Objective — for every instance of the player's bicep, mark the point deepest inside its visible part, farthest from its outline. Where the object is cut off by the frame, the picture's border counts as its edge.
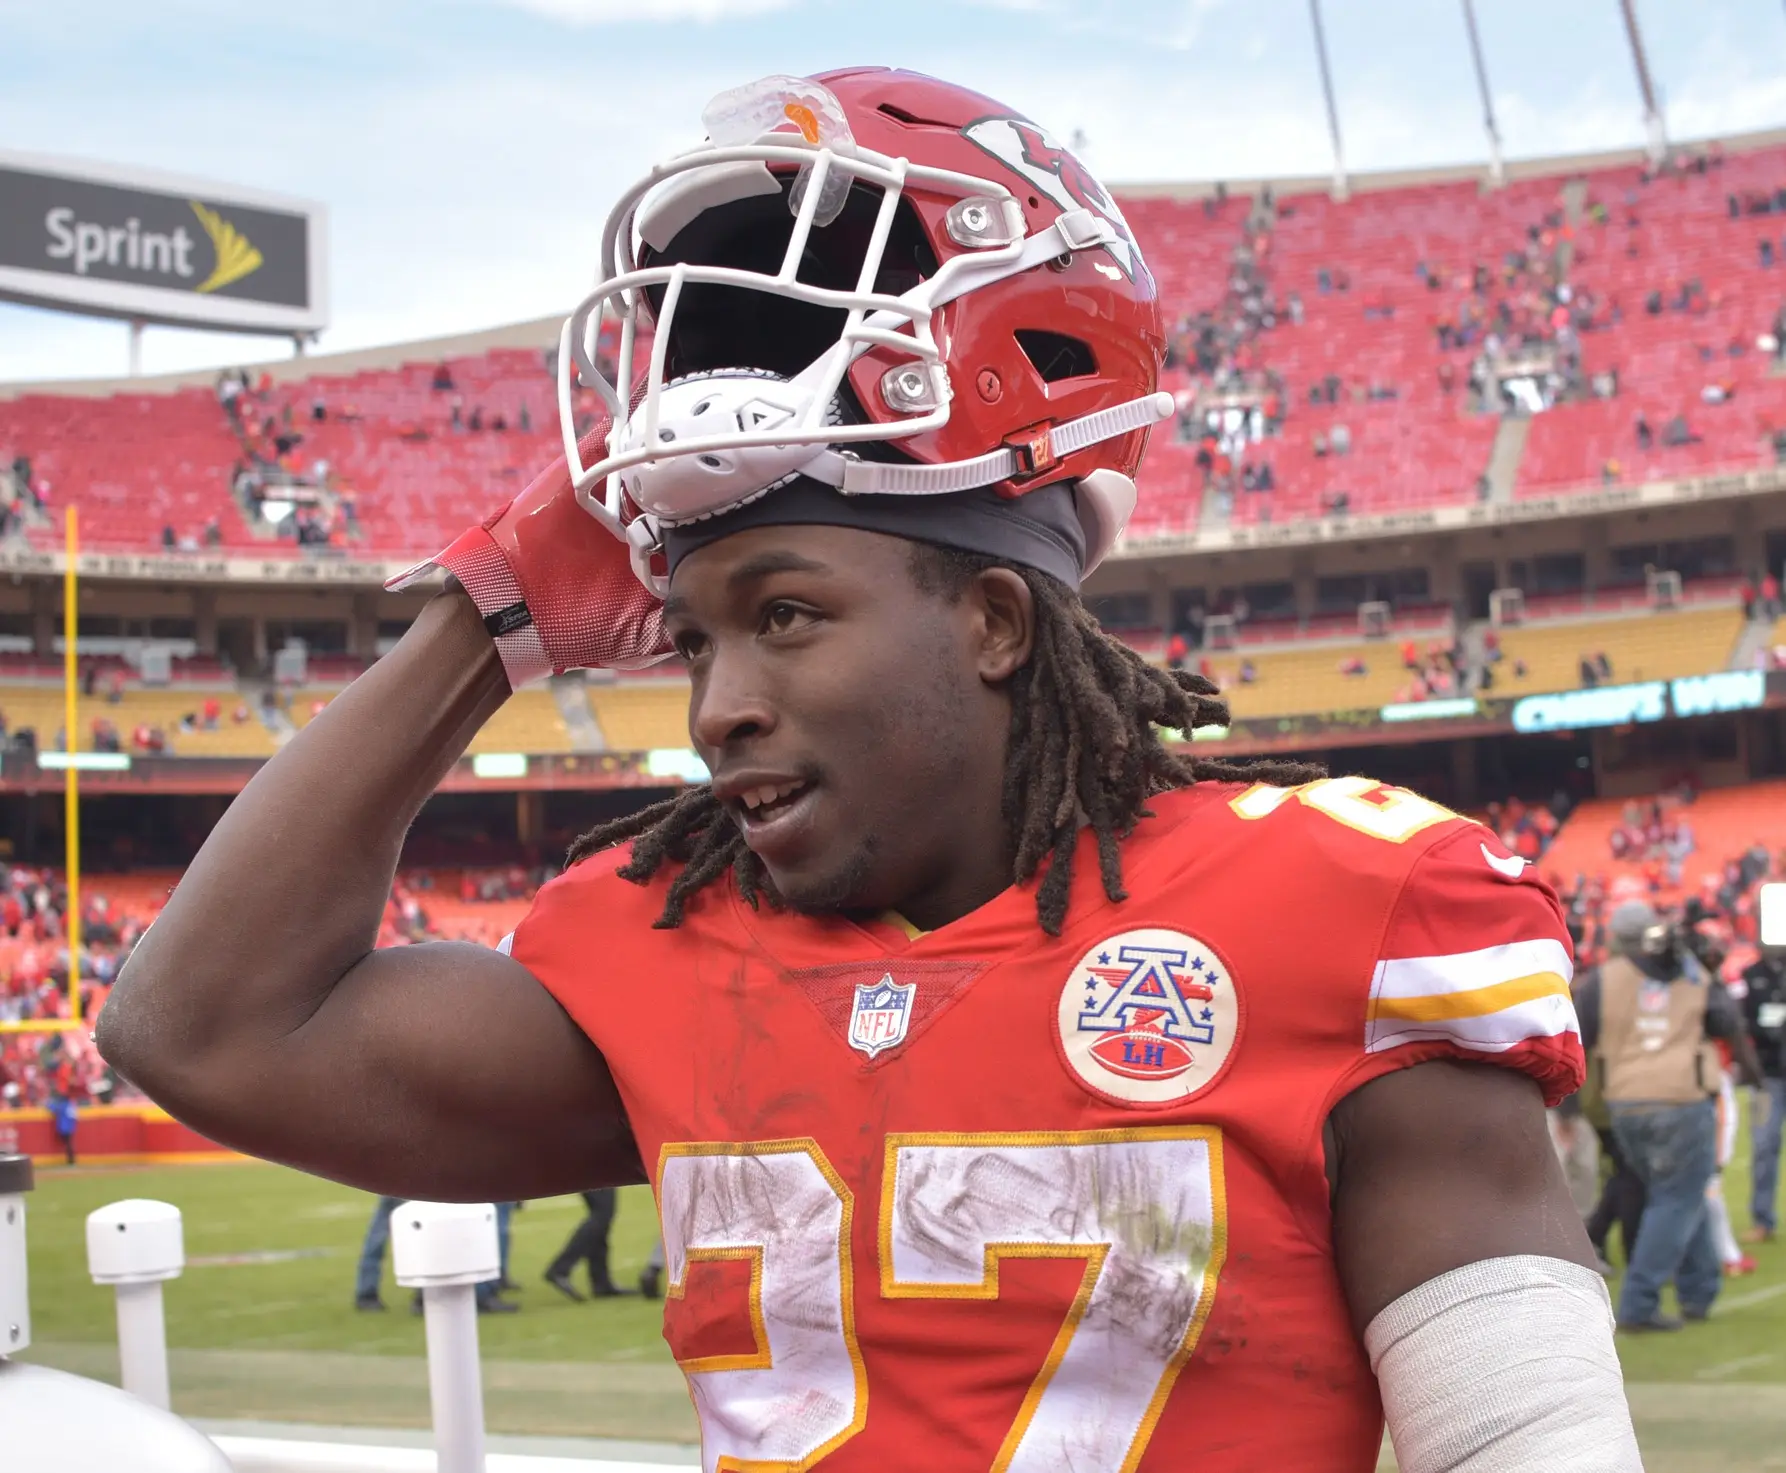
(446, 1070)
(1439, 1166)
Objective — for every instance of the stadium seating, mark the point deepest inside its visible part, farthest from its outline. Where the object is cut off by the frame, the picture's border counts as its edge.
(643, 715)
(40, 707)
(1645, 646)
(1420, 448)
(134, 463)
(1374, 275)
(389, 441)
(529, 721)
(1405, 258)
(1725, 822)
(1656, 236)
(1292, 680)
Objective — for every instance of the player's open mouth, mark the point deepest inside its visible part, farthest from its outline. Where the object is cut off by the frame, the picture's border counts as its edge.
(770, 814)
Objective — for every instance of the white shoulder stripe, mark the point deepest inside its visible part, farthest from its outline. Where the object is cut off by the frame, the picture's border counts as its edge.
(1488, 1000)
(507, 945)
(1466, 971)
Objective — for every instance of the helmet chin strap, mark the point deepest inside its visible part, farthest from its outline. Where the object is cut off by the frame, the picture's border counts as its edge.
(775, 466)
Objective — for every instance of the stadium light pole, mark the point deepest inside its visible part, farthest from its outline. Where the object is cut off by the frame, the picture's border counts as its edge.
(1497, 170)
(1652, 113)
(1333, 127)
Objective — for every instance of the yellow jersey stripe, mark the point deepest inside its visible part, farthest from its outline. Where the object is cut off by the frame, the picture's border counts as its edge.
(1475, 1003)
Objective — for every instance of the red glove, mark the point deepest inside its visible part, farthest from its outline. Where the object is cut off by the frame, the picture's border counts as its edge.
(555, 587)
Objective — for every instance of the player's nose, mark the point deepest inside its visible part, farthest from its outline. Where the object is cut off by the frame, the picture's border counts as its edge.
(729, 704)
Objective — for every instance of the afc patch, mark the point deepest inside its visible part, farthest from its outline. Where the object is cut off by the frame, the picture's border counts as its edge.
(881, 1015)
(1148, 1017)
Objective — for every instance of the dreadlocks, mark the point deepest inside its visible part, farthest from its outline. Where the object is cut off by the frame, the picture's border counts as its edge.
(1084, 749)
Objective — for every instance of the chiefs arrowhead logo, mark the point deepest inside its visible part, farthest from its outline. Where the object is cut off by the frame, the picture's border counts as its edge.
(1037, 157)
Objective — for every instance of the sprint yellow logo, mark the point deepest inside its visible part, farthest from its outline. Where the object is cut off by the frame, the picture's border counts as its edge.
(237, 256)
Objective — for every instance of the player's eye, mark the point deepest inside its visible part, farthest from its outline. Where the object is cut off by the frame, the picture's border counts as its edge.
(782, 617)
(690, 644)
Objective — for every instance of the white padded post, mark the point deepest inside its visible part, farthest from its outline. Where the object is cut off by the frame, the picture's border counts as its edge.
(15, 1300)
(136, 1246)
(446, 1249)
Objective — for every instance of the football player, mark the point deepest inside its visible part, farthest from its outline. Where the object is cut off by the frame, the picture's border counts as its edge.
(1018, 1092)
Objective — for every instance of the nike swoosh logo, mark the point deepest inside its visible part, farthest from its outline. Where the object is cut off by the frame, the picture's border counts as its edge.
(1511, 868)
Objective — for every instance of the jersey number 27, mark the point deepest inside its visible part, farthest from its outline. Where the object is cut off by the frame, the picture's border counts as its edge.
(1142, 1208)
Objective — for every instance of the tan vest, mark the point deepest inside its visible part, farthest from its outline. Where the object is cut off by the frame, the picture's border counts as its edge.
(1652, 1038)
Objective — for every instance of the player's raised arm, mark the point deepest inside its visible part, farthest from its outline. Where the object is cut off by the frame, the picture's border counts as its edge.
(256, 1009)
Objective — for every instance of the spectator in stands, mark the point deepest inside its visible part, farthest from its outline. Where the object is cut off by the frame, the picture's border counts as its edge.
(1645, 436)
(169, 537)
(1340, 441)
(443, 379)
(1678, 432)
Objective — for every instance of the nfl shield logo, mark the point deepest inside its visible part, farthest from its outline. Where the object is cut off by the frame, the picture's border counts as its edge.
(881, 1014)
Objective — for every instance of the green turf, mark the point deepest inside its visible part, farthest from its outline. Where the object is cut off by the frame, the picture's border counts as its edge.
(306, 1303)
(281, 1341)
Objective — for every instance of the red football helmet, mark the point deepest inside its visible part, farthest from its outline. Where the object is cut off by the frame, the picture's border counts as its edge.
(877, 280)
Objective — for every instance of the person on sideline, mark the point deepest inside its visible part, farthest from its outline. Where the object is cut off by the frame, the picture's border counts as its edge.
(1651, 1027)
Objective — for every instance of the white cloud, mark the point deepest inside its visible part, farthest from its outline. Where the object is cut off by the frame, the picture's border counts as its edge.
(615, 12)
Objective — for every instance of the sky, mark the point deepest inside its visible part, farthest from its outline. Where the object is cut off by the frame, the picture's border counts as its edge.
(468, 150)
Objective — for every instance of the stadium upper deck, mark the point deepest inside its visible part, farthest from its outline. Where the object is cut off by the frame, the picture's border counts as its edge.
(1334, 360)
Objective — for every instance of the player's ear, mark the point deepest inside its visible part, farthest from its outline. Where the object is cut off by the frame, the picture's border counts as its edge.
(1006, 623)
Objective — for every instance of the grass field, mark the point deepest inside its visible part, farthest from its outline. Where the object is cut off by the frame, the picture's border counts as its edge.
(262, 1325)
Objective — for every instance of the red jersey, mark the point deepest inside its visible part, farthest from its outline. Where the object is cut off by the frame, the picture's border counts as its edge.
(985, 1198)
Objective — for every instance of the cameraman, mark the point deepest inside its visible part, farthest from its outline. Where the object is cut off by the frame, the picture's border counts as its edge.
(1649, 1020)
(1765, 1010)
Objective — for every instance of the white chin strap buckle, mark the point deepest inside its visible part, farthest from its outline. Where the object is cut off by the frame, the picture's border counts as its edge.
(704, 471)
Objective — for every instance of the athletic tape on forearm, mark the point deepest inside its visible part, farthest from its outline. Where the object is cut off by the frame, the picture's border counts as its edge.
(1503, 1367)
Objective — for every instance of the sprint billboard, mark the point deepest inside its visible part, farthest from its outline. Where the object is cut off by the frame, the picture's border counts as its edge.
(128, 243)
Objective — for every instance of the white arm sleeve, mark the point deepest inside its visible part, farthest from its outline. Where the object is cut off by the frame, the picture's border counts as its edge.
(1504, 1366)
